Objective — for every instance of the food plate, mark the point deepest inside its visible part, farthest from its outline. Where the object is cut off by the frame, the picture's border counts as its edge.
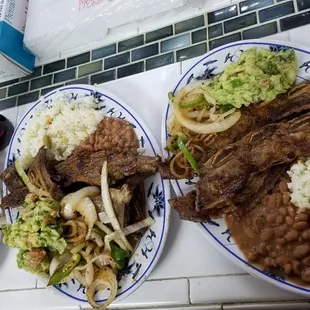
(209, 65)
(157, 192)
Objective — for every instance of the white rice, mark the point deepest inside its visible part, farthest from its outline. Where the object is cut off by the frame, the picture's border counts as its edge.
(300, 183)
(67, 123)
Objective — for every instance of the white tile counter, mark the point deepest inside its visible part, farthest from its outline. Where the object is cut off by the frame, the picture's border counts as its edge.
(190, 274)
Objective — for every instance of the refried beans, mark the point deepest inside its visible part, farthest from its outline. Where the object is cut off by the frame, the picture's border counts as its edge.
(275, 235)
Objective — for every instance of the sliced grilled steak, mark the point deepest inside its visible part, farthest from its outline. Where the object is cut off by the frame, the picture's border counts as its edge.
(86, 167)
(40, 174)
(285, 106)
(121, 198)
(256, 188)
(227, 172)
(15, 198)
(137, 213)
(185, 205)
(11, 178)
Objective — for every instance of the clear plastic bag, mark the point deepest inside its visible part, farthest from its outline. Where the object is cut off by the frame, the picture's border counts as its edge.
(57, 25)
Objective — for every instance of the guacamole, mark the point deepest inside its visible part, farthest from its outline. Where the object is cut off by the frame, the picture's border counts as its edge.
(36, 227)
(259, 75)
(35, 261)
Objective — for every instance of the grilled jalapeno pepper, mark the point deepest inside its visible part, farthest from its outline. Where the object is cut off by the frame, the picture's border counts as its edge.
(119, 255)
(65, 270)
(197, 102)
(226, 107)
(175, 145)
(188, 155)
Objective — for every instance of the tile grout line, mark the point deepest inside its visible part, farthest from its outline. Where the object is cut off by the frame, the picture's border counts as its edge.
(189, 291)
(199, 277)
(23, 289)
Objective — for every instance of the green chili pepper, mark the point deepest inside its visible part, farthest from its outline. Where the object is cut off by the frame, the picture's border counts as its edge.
(193, 103)
(170, 95)
(236, 83)
(226, 107)
(119, 255)
(175, 145)
(65, 270)
(188, 155)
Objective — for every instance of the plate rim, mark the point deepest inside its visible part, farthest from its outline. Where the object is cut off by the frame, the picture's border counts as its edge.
(165, 184)
(216, 243)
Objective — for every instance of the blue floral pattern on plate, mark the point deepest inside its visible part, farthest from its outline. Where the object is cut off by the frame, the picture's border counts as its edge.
(151, 245)
(209, 65)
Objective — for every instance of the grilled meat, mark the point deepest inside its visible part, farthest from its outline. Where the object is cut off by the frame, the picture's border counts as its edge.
(129, 204)
(256, 188)
(86, 166)
(185, 205)
(165, 171)
(15, 198)
(136, 180)
(285, 106)
(97, 201)
(258, 115)
(258, 185)
(227, 172)
(121, 198)
(11, 178)
(137, 213)
(40, 175)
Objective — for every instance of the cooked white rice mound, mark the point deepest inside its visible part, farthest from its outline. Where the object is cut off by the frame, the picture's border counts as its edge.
(300, 183)
(66, 124)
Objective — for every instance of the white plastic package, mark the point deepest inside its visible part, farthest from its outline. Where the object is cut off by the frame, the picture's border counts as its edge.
(57, 25)
(15, 61)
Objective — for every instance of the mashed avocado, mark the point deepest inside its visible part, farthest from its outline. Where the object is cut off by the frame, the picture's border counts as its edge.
(36, 227)
(259, 75)
(34, 261)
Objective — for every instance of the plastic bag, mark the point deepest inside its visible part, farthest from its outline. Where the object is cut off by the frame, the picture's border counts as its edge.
(57, 25)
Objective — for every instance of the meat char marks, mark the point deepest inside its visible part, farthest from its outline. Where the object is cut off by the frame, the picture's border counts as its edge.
(11, 178)
(238, 175)
(257, 186)
(284, 107)
(228, 171)
(86, 166)
(40, 174)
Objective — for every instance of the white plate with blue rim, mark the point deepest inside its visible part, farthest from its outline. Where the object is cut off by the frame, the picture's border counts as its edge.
(157, 191)
(208, 66)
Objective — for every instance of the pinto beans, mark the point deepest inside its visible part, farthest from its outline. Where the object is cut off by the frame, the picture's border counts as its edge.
(300, 226)
(305, 275)
(267, 234)
(301, 250)
(292, 235)
(302, 217)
